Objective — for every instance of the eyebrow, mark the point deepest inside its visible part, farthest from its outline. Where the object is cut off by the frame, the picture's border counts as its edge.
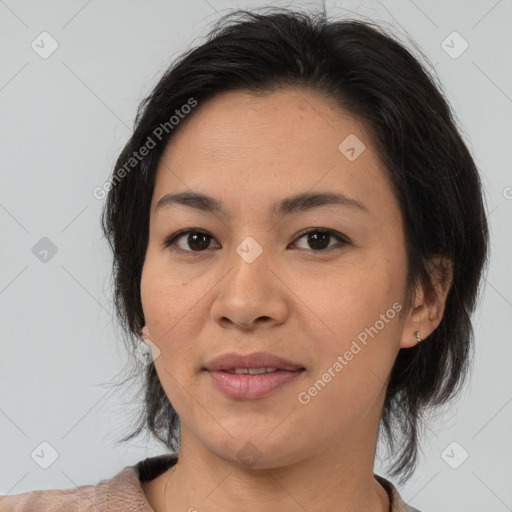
(294, 204)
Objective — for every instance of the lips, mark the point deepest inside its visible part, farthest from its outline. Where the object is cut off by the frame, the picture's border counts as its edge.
(251, 376)
(232, 361)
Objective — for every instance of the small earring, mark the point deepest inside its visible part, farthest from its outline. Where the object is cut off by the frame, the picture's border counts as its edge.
(417, 335)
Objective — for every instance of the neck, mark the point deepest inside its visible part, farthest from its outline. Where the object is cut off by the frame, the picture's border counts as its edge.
(333, 479)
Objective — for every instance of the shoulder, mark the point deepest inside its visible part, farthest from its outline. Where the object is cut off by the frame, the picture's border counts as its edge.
(122, 492)
(397, 503)
(80, 498)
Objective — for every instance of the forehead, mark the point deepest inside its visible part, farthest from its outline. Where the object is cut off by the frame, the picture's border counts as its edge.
(255, 146)
(241, 121)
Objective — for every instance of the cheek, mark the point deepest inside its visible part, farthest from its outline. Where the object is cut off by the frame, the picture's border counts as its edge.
(352, 297)
(165, 295)
(357, 318)
(168, 312)
(352, 366)
(169, 306)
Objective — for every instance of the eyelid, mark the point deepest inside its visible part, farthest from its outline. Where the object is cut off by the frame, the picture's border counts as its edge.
(172, 238)
(340, 236)
(342, 239)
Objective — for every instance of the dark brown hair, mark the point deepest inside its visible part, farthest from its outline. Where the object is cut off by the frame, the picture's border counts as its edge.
(374, 77)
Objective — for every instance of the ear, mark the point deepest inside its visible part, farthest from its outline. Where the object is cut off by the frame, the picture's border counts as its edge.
(144, 332)
(429, 302)
(146, 338)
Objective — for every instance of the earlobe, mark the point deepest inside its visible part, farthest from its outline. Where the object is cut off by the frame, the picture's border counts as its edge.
(414, 330)
(144, 332)
(411, 336)
(429, 303)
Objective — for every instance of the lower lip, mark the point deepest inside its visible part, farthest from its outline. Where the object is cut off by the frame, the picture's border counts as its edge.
(249, 387)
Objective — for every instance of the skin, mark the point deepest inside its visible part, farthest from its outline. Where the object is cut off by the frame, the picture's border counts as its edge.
(296, 301)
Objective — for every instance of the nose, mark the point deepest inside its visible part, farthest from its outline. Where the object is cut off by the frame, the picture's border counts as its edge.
(251, 294)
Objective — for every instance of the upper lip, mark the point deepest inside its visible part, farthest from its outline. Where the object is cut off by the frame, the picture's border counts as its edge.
(232, 360)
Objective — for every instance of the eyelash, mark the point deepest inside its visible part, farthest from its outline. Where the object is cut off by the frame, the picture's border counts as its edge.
(342, 240)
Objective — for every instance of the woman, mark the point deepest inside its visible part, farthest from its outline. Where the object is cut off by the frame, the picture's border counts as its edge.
(299, 236)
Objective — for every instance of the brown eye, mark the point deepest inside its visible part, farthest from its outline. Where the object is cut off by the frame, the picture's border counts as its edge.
(194, 240)
(319, 239)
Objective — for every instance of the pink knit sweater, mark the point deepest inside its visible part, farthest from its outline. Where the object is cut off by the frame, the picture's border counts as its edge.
(123, 493)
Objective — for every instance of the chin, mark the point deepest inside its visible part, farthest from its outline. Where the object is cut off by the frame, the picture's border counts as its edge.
(250, 450)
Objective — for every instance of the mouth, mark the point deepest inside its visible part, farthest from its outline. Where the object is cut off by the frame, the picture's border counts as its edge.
(233, 361)
(253, 371)
(251, 376)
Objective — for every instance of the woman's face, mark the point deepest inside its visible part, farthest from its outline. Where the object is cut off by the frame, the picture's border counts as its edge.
(252, 281)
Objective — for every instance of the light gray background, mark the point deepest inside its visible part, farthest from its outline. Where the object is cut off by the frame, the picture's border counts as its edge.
(65, 118)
